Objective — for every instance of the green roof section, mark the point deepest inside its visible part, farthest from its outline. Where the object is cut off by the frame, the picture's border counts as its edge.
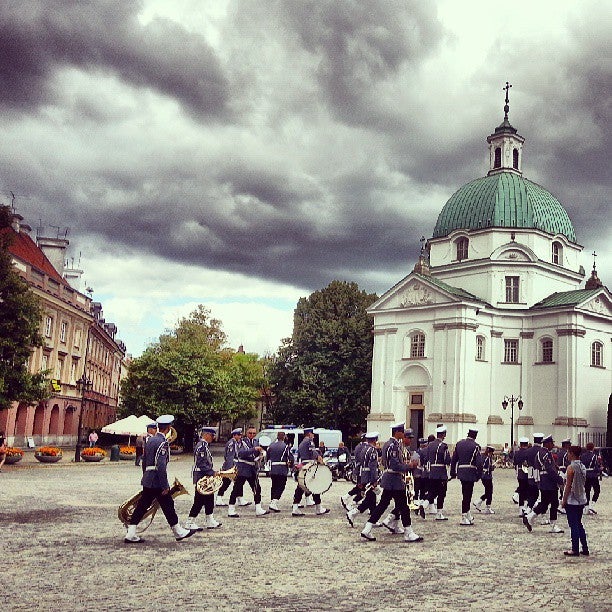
(566, 298)
(504, 199)
(460, 293)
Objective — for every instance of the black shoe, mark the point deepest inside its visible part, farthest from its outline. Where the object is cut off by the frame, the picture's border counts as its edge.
(233, 516)
(422, 512)
(571, 553)
(586, 553)
(126, 541)
(527, 523)
(274, 510)
(369, 538)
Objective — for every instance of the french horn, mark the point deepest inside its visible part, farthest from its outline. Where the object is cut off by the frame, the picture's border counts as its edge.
(126, 509)
(208, 485)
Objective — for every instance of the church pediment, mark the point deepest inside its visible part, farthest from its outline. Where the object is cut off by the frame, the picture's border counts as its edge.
(599, 304)
(413, 292)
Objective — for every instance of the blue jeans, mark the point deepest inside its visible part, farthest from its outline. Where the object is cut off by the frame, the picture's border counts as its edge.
(574, 520)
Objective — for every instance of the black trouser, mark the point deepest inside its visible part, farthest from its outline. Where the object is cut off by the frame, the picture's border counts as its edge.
(417, 488)
(299, 493)
(238, 489)
(279, 482)
(356, 492)
(523, 491)
(199, 501)
(368, 502)
(467, 490)
(401, 504)
(225, 485)
(532, 494)
(423, 488)
(548, 498)
(594, 484)
(488, 491)
(166, 503)
(437, 488)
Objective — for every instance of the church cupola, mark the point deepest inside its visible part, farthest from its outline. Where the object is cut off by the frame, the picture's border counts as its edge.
(505, 145)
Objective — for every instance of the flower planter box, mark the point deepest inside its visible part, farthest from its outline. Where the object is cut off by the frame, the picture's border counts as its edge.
(11, 459)
(48, 458)
(92, 458)
(127, 456)
(176, 451)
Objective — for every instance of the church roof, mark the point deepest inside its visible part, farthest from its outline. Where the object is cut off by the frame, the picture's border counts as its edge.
(504, 199)
(566, 298)
(456, 291)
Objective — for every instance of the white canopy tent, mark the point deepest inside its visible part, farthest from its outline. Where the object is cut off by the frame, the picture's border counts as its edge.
(129, 426)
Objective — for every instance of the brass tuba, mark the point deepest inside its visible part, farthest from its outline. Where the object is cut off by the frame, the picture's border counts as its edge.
(207, 485)
(172, 435)
(126, 509)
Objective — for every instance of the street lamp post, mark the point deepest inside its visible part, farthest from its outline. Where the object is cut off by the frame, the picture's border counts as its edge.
(512, 400)
(82, 385)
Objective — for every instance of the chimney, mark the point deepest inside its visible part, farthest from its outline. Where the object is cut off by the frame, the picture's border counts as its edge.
(16, 220)
(55, 250)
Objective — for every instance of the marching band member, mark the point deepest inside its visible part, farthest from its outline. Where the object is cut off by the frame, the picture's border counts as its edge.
(466, 465)
(393, 486)
(356, 493)
(307, 451)
(562, 463)
(590, 459)
(424, 485)
(520, 462)
(281, 461)
(203, 466)
(533, 477)
(487, 481)
(549, 485)
(155, 484)
(368, 479)
(247, 465)
(229, 461)
(438, 458)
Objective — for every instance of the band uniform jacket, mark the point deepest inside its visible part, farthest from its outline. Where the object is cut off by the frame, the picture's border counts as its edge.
(520, 460)
(395, 468)
(231, 453)
(438, 457)
(563, 460)
(549, 475)
(155, 462)
(369, 471)
(422, 452)
(591, 463)
(487, 468)
(466, 463)
(280, 457)
(532, 451)
(360, 450)
(307, 451)
(202, 461)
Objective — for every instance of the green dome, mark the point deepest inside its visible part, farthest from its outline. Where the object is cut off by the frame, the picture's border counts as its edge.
(504, 199)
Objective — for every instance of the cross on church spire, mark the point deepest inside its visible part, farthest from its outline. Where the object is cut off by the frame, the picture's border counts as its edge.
(507, 105)
(422, 241)
(594, 254)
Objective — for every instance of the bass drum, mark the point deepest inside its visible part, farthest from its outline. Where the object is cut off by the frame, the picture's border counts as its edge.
(315, 478)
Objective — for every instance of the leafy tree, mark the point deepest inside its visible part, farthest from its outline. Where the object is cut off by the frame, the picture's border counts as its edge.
(20, 318)
(323, 373)
(190, 374)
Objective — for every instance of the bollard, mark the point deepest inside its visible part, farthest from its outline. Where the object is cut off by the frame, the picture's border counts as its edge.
(114, 456)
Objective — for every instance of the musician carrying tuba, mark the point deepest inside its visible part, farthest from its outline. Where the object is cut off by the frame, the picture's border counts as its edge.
(155, 486)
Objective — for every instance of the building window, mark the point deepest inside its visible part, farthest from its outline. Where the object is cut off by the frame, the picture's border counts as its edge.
(512, 289)
(73, 369)
(597, 354)
(417, 345)
(515, 159)
(497, 163)
(557, 253)
(77, 338)
(480, 348)
(462, 248)
(510, 351)
(59, 369)
(63, 331)
(48, 326)
(44, 362)
(547, 351)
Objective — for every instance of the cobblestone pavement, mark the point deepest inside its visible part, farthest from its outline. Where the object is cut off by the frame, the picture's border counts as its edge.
(63, 548)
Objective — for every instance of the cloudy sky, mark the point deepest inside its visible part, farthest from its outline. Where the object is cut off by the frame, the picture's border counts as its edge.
(242, 154)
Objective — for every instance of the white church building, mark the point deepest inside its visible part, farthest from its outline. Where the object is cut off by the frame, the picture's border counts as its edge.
(496, 310)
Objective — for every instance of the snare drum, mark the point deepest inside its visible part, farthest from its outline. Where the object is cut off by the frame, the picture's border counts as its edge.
(315, 478)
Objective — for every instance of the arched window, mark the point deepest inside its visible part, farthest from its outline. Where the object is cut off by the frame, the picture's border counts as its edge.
(497, 163)
(480, 348)
(546, 349)
(417, 344)
(597, 354)
(462, 248)
(557, 253)
(515, 159)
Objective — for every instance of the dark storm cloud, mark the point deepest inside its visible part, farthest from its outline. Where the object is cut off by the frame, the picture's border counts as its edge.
(38, 38)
